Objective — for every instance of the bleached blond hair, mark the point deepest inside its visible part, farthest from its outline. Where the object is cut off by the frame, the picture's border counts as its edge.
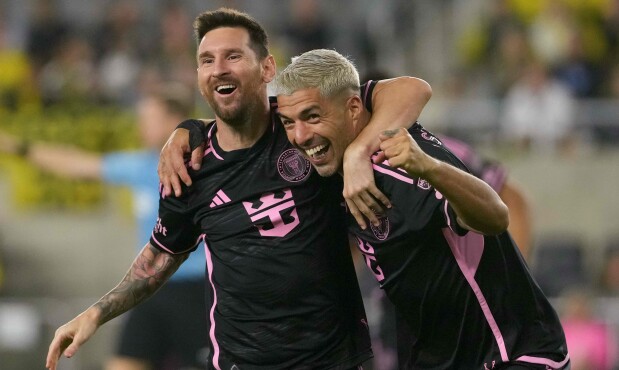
(327, 70)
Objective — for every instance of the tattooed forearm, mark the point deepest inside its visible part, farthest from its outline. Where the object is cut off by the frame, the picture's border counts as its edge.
(149, 271)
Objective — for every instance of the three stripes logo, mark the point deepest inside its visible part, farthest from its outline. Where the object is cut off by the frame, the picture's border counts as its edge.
(219, 199)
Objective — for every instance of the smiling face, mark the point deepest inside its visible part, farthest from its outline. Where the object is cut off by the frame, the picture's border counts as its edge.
(231, 77)
(318, 127)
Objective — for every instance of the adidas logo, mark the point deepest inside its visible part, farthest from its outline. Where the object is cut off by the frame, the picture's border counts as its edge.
(219, 199)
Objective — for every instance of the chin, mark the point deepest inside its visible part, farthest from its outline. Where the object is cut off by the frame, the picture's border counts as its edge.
(326, 171)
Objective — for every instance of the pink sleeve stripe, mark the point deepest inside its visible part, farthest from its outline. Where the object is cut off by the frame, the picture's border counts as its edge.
(468, 265)
(365, 93)
(170, 251)
(393, 174)
(553, 365)
(211, 333)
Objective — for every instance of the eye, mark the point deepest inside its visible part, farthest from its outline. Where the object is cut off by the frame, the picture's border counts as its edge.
(288, 123)
(234, 57)
(206, 61)
(314, 117)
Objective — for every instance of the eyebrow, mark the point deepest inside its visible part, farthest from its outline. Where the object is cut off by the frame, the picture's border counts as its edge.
(228, 51)
(304, 113)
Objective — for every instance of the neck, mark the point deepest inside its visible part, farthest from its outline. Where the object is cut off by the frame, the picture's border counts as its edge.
(246, 132)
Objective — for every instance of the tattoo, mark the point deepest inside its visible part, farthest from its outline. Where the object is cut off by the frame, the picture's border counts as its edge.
(149, 271)
(391, 133)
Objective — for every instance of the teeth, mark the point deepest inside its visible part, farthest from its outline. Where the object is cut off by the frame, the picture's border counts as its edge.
(219, 88)
(314, 150)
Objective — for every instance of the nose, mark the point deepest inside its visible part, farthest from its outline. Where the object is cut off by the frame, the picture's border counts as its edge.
(303, 133)
(220, 67)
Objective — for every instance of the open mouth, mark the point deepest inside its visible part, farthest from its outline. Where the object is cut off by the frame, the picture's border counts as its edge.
(317, 152)
(225, 89)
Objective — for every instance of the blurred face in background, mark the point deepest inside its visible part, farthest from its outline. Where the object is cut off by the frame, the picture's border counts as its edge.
(231, 77)
(155, 122)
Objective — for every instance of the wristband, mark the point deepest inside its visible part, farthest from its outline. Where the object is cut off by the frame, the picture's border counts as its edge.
(197, 136)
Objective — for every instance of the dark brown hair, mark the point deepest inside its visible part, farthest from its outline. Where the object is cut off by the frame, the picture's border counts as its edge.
(225, 17)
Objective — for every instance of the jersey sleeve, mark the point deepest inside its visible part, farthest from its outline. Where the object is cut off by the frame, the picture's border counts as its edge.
(443, 213)
(175, 230)
(366, 94)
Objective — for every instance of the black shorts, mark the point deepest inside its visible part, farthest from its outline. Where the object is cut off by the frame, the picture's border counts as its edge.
(169, 329)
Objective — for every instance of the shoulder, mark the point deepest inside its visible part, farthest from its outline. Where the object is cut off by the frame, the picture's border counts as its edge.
(434, 146)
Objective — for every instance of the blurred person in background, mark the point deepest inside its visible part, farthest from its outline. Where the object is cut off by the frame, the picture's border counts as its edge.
(178, 340)
(538, 112)
(120, 44)
(69, 77)
(46, 32)
(175, 55)
(306, 28)
(592, 342)
(609, 281)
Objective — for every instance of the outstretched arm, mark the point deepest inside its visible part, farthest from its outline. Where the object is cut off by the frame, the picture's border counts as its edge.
(60, 160)
(149, 271)
(477, 205)
(396, 102)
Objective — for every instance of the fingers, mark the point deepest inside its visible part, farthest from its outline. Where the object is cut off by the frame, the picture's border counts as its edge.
(381, 199)
(354, 211)
(196, 157)
(165, 180)
(74, 346)
(56, 347)
(368, 206)
(379, 157)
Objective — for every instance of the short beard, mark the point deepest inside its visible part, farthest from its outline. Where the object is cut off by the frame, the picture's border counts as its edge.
(235, 117)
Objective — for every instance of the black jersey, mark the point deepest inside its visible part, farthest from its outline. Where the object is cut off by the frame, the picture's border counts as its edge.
(463, 300)
(281, 287)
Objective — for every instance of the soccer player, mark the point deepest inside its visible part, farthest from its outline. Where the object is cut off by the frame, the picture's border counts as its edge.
(281, 288)
(464, 297)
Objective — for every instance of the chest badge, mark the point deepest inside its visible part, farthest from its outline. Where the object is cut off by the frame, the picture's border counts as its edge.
(292, 166)
(381, 232)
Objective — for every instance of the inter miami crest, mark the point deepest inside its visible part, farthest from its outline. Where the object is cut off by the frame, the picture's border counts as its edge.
(381, 231)
(292, 166)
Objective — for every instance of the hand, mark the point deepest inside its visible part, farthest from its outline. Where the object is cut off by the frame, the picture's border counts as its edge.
(70, 337)
(402, 151)
(360, 192)
(172, 167)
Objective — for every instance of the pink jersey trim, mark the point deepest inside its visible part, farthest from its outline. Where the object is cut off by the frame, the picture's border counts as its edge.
(367, 89)
(211, 333)
(170, 251)
(210, 148)
(544, 361)
(468, 250)
(393, 173)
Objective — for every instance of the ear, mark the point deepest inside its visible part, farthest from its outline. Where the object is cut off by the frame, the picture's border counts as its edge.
(354, 107)
(268, 69)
